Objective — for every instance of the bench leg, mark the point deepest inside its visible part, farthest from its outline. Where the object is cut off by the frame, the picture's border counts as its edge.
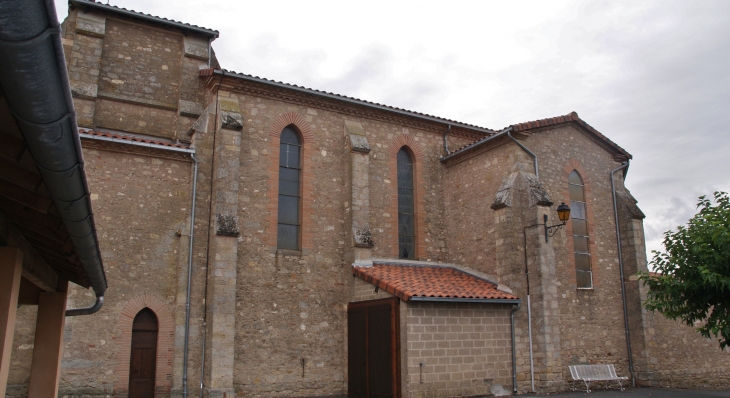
(588, 386)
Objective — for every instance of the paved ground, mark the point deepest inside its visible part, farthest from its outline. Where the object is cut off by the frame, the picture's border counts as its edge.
(639, 393)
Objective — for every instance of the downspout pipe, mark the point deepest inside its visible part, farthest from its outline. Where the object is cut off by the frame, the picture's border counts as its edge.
(33, 69)
(514, 356)
(190, 277)
(625, 165)
(524, 148)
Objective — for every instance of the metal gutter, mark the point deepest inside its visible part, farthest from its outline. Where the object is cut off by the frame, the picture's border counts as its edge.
(144, 17)
(190, 276)
(514, 356)
(625, 165)
(33, 68)
(352, 101)
(137, 143)
(465, 300)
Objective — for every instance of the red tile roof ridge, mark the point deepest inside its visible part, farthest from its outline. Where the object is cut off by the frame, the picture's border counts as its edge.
(534, 124)
(130, 137)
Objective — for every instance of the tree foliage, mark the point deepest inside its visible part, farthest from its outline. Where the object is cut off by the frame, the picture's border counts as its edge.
(692, 280)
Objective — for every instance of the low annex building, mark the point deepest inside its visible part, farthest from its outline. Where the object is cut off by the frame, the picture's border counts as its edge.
(266, 239)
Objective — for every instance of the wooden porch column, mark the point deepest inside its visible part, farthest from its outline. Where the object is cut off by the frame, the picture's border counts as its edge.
(46, 366)
(11, 266)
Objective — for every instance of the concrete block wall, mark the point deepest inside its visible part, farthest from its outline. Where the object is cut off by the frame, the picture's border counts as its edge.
(457, 349)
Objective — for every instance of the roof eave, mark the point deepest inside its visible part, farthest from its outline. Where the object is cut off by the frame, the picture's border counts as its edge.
(465, 300)
(145, 17)
(349, 100)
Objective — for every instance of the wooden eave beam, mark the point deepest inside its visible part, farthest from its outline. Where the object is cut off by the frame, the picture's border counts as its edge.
(25, 197)
(12, 148)
(17, 175)
(29, 218)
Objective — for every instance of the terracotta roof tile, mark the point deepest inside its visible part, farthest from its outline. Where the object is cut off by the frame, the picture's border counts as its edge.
(407, 281)
(571, 117)
(118, 136)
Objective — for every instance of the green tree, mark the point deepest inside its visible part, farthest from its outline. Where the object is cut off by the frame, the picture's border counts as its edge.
(692, 280)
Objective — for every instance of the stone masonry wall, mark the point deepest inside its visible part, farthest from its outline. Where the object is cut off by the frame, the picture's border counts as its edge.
(131, 77)
(292, 304)
(458, 349)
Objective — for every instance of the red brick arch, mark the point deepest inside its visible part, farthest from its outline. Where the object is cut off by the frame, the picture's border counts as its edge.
(272, 207)
(419, 188)
(573, 164)
(165, 335)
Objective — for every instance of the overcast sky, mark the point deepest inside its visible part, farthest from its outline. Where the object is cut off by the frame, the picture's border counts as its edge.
(654, 76)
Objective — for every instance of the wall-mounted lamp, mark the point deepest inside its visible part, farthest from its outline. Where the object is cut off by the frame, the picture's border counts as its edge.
(563, 214)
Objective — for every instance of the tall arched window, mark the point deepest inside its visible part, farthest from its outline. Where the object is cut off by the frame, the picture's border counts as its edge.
(290, 174)
(581, 246)
(406, 208)
(143, 357)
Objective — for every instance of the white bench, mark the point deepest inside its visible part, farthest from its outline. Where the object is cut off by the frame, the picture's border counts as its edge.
(589, 373)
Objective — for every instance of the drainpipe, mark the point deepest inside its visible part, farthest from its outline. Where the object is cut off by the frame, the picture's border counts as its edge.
(534, 157)
(621, 273)
(514, 359)
(190, 277)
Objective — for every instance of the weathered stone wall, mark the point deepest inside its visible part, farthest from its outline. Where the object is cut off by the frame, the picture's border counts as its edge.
(140, 202)
(292, 304)
(457, 349)
(132, 77)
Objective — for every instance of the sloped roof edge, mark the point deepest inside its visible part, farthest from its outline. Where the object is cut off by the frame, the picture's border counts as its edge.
(143, 16)
(537, 124)
(372, 105)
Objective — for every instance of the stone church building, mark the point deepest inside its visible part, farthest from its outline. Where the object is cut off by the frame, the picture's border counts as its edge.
(263, 239)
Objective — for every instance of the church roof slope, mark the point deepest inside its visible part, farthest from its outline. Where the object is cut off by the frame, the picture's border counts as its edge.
(143, 16)
(356, 101)
(521, 128)
(432, 283)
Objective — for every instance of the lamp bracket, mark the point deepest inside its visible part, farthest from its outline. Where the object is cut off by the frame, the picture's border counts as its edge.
(552, 229)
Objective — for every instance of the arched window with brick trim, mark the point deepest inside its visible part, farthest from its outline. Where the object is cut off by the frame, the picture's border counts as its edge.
(406, 205)
(581, 240)
(290, 196)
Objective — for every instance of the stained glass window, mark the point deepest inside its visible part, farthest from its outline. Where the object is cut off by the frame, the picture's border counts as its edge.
(581, 241)
(290, 171)
(406, 208)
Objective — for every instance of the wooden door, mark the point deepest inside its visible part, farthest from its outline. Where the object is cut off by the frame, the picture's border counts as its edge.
(143, 356)
(373, 349)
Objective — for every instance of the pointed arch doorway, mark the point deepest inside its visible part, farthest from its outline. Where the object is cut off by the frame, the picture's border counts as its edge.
(143, 355)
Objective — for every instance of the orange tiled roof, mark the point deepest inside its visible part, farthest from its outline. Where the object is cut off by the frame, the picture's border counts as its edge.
(422, 281)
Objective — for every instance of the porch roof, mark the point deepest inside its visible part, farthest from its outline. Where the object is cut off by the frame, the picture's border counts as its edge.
(432, 283)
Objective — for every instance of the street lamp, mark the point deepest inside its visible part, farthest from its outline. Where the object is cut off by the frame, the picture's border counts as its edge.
(563, 214)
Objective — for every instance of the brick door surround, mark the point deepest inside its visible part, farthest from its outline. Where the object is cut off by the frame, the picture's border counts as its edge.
(166, 326)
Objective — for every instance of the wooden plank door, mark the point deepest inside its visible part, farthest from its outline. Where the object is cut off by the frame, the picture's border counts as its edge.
(143, 356)
(373, 349)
